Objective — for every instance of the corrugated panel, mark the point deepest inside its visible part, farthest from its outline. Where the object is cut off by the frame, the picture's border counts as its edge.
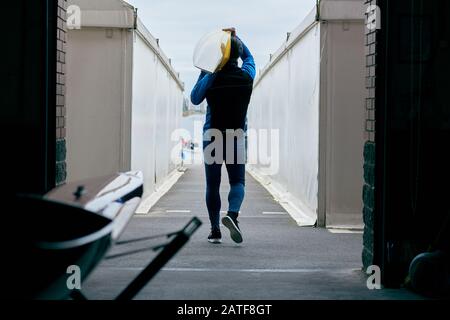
(105, 13)
(342, 10)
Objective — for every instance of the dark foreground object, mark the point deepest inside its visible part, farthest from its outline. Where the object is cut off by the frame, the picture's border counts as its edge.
(430, 274)
(70, 230)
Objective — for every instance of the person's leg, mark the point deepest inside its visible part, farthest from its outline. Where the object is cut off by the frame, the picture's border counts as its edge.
(236, 177)
(213, 203)
(213, 172)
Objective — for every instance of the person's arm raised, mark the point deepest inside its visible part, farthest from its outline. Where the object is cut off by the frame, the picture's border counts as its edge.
(204, 82)
(248, 62)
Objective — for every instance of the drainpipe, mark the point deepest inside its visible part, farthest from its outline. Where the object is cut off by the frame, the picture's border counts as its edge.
(318, 10)
(135, 18)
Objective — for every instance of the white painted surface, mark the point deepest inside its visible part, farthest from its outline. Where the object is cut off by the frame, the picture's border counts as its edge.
(122, 185)
(274, 213)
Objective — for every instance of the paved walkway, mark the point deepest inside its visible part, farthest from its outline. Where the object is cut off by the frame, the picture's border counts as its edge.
(278, 259)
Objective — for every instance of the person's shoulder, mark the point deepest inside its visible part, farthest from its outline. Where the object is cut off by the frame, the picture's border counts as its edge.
(236, 77)
(246, 76)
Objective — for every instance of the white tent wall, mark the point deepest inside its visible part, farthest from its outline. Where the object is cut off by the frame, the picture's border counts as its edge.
(145, 80)
(157, 110)
(124, 99)
(286, 98)
(312, 91)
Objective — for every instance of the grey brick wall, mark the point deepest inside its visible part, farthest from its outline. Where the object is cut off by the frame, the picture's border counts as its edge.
(61, 172)
(369, 148)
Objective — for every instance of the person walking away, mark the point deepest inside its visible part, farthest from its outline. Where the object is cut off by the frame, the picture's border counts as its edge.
(227, 93)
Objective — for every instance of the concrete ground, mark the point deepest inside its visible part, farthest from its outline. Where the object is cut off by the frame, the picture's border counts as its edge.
(277, 260)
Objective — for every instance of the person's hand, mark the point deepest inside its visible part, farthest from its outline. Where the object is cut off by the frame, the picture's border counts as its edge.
(232, 30)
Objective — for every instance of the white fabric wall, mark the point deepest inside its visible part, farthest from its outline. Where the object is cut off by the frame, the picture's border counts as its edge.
(156, 113)
(287, 98)
(313, 93)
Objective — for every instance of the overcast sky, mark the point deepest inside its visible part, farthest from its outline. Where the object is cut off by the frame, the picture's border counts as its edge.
(179, 24)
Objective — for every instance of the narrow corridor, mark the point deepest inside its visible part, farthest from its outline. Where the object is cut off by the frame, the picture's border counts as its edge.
(278, 259)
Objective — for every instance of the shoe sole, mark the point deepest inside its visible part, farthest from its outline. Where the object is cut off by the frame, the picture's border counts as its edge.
(215, 241)
(235, 233)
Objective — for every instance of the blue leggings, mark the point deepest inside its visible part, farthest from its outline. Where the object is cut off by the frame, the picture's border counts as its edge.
(236, 177)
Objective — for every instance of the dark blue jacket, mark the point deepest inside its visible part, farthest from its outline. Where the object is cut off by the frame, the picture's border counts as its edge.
(227, 92)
